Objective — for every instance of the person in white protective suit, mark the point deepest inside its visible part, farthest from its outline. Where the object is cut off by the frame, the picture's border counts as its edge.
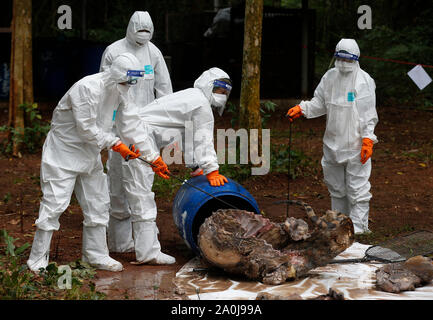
(155, 83)
(187, 116)
(81, 127)
(346, 94)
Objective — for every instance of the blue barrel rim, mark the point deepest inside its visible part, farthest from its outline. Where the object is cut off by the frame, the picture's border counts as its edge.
(187, 227)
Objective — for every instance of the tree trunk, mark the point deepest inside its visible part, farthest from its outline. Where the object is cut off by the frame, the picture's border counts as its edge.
(241, 242)
(250, 86)
(21, 80)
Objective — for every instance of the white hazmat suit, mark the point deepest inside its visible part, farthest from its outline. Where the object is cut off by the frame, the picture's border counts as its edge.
(164, 121)
(346, 94)
(81, 127)
(155, 83)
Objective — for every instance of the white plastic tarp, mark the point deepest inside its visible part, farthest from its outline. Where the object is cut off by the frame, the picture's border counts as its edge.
(355, 280)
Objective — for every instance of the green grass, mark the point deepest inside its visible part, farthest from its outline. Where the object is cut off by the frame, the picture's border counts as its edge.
(164, 188)
(17, 282)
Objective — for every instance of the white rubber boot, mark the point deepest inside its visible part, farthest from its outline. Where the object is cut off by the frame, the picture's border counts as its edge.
(147, 246)
(40, 253)
(359, 216)
(95, 250)
(119, 235)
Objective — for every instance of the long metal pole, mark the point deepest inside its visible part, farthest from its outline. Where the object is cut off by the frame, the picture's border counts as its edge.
(288, 173)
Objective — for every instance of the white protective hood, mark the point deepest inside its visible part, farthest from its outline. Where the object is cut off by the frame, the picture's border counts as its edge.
(124, 62)
(350, 46)
(205, 81)
(83, 121)
(139, 20)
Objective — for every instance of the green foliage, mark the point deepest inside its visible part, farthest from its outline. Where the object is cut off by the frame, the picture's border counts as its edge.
(17, 282)
(106, 20)
(7, 197)
(234, 111)
(398, 33)
(34, 133)
(291, 4)
(392, 82)
(168, 187)
(266, 110)
(237, 172)
(11, 250)
(80, 272)
(300, 165)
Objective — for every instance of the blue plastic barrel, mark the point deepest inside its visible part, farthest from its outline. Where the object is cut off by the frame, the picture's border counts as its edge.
(191, 206)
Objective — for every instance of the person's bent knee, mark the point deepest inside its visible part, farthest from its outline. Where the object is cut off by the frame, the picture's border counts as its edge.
(48, 224)
(143, 218)
(120, 215)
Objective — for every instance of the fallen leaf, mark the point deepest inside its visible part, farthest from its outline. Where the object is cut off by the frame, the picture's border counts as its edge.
(423, 165)
(14, 221)
(400, 173)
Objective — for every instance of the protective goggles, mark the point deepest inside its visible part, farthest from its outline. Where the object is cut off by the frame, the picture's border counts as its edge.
(133, 75)
(224, 84)
(346, 55)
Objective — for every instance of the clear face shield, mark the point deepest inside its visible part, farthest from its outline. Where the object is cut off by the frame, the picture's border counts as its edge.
(345, 61)
(220, 94)
(343, 58)
(132, 77)
(346, 56)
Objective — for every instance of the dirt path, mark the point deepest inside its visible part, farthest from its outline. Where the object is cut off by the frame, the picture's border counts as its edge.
(402, 187)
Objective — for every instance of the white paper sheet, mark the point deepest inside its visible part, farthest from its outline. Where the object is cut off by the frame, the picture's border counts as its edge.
(420, 77)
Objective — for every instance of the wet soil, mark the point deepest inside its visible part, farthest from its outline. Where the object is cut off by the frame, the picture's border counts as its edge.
(402, 188)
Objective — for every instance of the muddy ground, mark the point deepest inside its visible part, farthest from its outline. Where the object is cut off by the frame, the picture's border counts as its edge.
(402, 188)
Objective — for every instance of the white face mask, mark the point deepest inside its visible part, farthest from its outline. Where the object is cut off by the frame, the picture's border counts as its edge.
(344, 66)
(218, 101)
(142, 37)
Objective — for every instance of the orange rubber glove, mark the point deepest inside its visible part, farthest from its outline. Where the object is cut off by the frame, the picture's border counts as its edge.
(125, 151)
(160, 168)
(294, 113)
(216, 179)
(197, 172)
(366, 150)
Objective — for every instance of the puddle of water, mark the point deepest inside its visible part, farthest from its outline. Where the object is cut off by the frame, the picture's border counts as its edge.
(136, 283)
(356, 281)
